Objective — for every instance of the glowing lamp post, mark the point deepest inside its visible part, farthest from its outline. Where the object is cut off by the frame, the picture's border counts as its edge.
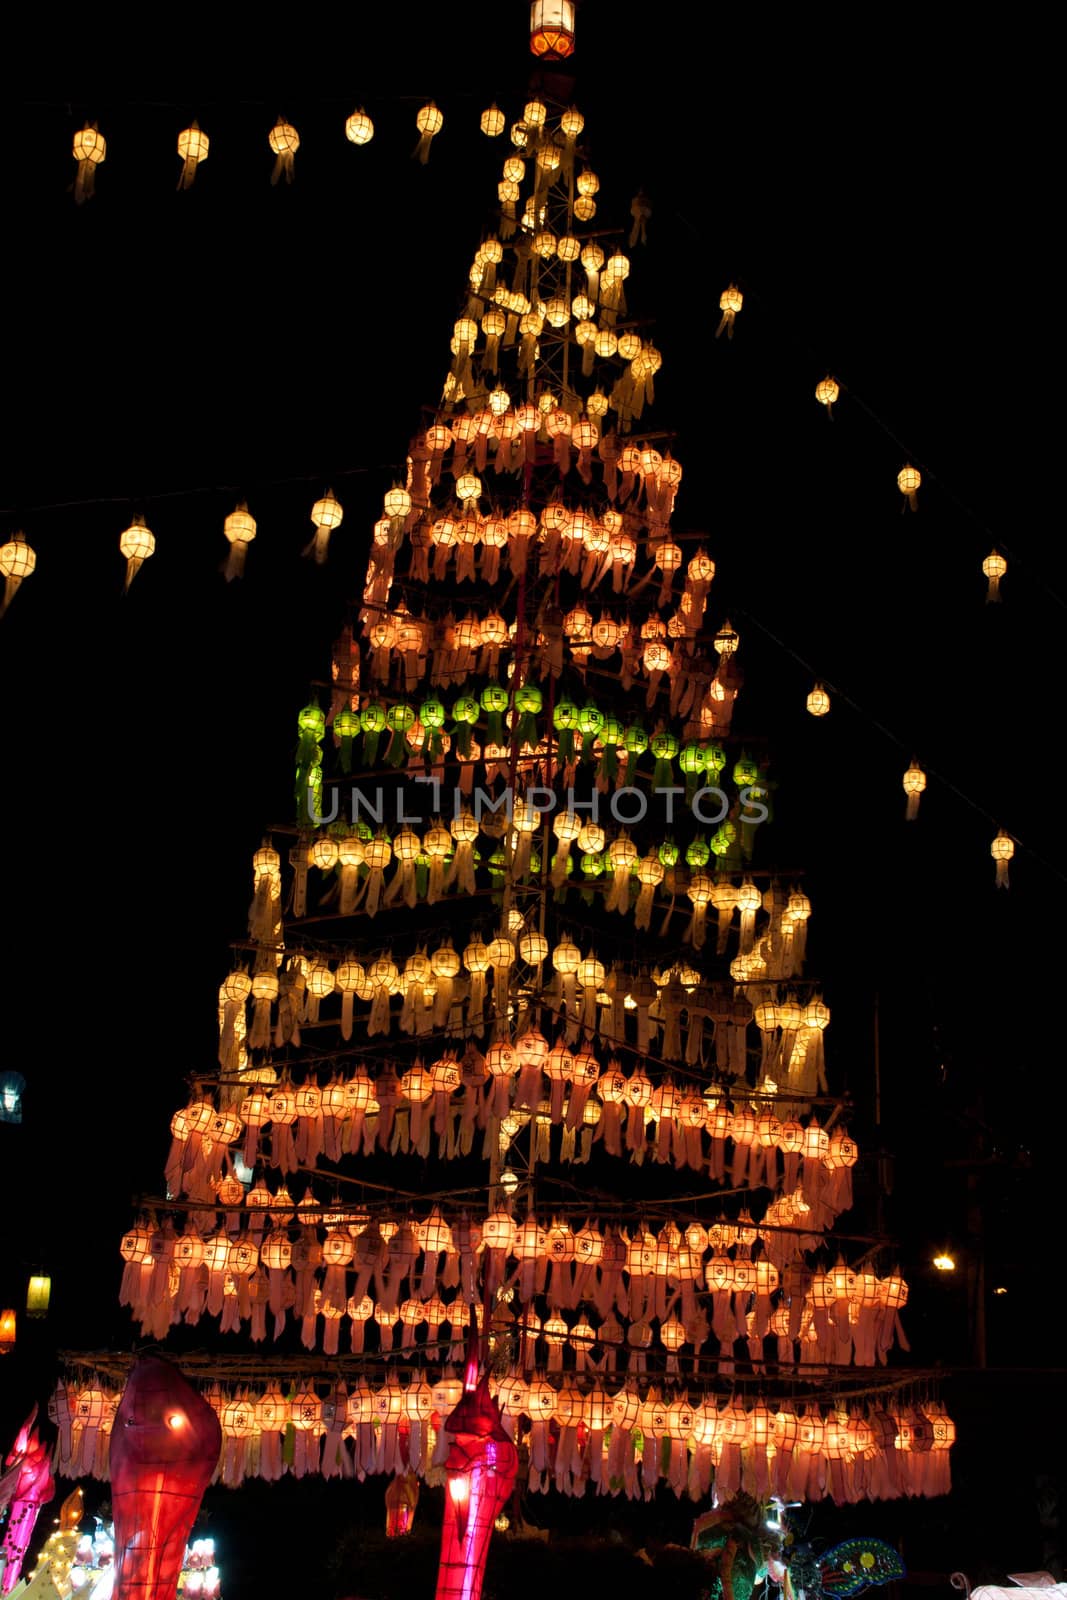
(552, 29)
(480, 1472)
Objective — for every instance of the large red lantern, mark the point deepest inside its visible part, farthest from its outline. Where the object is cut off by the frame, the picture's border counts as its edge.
(480, 1471)
(165, 1446)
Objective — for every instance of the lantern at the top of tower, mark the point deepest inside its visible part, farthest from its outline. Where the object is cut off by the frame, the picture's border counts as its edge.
(552, 29)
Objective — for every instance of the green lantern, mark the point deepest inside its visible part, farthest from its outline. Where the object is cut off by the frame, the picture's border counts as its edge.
(494, 702)
(610, 739)
(664, 746)
(668, 853)
(692, 762)
(565, 720)
(465, 715)
(372, 721)
(698, 854)
(398, 719)
(346, 725)
(745, 770)
(528, 702)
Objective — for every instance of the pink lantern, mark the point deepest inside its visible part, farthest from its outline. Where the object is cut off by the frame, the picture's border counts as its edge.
(165, 1446)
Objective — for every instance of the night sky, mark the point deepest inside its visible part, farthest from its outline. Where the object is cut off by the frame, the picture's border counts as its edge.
(885, 214)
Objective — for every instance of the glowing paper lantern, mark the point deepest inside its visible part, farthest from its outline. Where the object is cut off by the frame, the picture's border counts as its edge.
(428, 121)
(914, 784)
(908, 481)
(994, 566)
(240, 530)
(136, 544)
(164, 1448)
(89, 151)
(193, 147)
(730, 302)
(818, 701)
(1002, 849)
(827, 393)
(359, 129)
(285, 142)
(17, 561)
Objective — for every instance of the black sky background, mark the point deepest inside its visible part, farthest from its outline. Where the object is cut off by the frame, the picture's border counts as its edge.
(883, 201)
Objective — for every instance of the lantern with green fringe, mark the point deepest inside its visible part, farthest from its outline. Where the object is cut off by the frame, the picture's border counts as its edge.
(346, 724)
(373, 723)
(494, 702)
(465, 715)
(564, 720)
(664, 747)
(398, 719)
(528, 702)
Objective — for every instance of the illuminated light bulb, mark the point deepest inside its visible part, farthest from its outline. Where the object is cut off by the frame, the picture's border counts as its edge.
(818, 701)
(994, 567)
(429, 122)
(193, 147)
(359, 129)
(90, 151)
(908, 481)
(827, 393)
(136, 544)
(285, 142)
(240, 530)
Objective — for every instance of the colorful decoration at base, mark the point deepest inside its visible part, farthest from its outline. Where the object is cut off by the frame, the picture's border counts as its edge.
(480, 1473)
(858, 1564)
(26, 1485)
(165, 1446)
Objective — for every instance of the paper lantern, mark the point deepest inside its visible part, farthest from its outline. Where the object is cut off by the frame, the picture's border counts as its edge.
(359, 129)
(826, 393)
(193, 147)
(994, 566)
(429, 121)
(818, 701)
(285, 142)
(730, 302)
(908, 481)
(164, 1449)
(240, 530)
(90, 151)
(914, 785)
(17, 561)
(136, 544)
(1002, 849)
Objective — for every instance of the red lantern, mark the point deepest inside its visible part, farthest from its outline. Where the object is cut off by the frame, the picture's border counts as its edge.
(165, 1447)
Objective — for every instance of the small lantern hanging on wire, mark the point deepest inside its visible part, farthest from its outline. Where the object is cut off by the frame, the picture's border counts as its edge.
(908, 481)
(90, 151)
(285, 142)
(994, 567)
(818, 701)
(193, 147)
(914, 784)
(827, 393)
(359, 129)
(428, 121)
(730, 302)
(1002, 849)
(17, 561)
(136, 544)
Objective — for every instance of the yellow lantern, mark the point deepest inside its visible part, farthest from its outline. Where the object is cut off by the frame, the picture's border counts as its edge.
(827, 393)
(428, 121)
(240, 530)
(818, 701)
(359, 129)
(136, 544)
(908, 481)
(193, 147)
(285, 142)
(552, 29)
(17, 561)
(90, 151)
(730, 302)
(994, 566)
(492, 121)
(1002, 849)
(914, 784)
